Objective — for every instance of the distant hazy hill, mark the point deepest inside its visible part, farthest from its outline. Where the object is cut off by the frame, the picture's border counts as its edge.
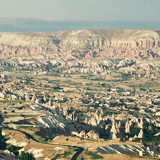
(36, 25)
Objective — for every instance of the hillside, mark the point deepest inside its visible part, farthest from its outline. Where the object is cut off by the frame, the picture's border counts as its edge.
(79, 44)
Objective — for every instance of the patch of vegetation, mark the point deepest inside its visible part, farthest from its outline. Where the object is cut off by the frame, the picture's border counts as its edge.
(85, 101)
(30, 128)
(26, 69)
(110, 111)
(114, 104)
(143, 89)
(50, 66)
(13, 149)
(55, 75)
(39, 138)
(95, 105)
(13, 111)
(105, 85)
(95, 155)
(56, 88)
(20, 108)
(125, 76)
(57, 156)
(66, 154)
(73, 148)
(7, 127)
(9, 68)
(11, 101)
(26, 156)
(148, 133)
(134, 132)
(98, 79)
(63, 101)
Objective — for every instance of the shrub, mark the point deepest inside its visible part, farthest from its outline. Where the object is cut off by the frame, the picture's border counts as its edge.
(13, 111)
(13, 149)
(26, 156)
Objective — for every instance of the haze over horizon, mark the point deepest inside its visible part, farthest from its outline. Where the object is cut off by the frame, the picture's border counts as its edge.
(69, 10)
(54, 15)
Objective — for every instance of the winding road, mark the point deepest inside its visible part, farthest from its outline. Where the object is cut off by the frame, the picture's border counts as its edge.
(77, 154)
(29, 136)
(74, 157)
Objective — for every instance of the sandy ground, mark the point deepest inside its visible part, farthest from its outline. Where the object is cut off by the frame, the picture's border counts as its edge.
(90, 145)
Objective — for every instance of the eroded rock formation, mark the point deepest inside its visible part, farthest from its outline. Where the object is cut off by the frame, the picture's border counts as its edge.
(82, 44)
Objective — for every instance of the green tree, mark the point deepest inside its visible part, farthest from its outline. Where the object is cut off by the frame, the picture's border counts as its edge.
(26, 156)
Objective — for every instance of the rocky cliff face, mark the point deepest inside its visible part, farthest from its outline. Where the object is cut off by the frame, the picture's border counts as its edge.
(82, 44)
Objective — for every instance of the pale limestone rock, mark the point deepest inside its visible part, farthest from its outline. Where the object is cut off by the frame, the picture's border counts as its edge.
(34, 97)
(127, 127)
(27, 97)
(93, 121)
(140, 134)
(82, 134)
(113, 131)
(37, 100)
(118, 128)
(92, 135)
(50, 103)
(140, 153)
(119, 124)
(72, 116)
(140, 124)
(75, 133)
(44, 98)
(135, 137)
(65, 112)
(86, 120)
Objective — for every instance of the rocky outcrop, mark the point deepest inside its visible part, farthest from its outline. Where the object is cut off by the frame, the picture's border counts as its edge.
(98, 117)
(34, 97)
(51, 122)
(113, 131)
(27, 97)
(90, 135)
(82, 134)
(140, 124)
(140, 134)
(72, 116)
(127, 127)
